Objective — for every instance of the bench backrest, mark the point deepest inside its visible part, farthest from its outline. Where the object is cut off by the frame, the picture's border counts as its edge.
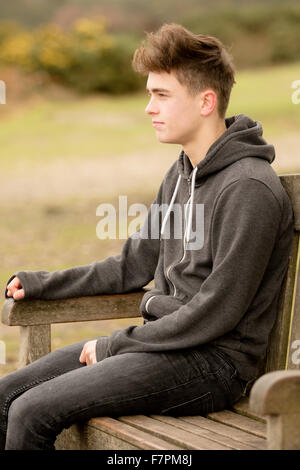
(284, 343)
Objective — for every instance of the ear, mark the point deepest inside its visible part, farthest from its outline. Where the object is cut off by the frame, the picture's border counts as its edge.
(208, 102)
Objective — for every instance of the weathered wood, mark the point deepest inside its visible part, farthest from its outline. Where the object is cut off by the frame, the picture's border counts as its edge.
(242, 408)
(240, 422)
(72, 438)
(172, 434)
(224, 430)
(99, 440)
(45, 312)
(279, 340)
(35, 342)
(284, 432)
(129, 435)
(293, 353)
(276, 393)
(291, 183)
(191, 428)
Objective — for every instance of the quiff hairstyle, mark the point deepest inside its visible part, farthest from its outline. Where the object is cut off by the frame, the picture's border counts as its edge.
(198, 61)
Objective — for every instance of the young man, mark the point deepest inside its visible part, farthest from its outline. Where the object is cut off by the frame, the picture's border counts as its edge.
(208, 318)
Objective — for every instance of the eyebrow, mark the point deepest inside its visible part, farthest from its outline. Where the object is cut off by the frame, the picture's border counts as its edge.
(158, 90)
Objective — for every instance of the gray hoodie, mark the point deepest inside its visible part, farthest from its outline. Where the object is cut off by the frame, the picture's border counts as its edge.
(217, 270)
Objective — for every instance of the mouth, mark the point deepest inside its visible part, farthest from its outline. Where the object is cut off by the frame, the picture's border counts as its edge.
(157, 123)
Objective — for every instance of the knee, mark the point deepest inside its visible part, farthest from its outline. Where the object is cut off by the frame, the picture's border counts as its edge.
(27, 426)
(20, 413)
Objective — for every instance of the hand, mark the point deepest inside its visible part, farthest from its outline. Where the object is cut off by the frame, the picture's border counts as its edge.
(15, 289)
(88, 353)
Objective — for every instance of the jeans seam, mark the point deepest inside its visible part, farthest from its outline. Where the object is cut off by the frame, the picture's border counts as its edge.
(206, 394)
(20, 389)
(222, 366)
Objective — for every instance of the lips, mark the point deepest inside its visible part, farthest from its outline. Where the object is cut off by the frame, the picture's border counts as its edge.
(157, 123)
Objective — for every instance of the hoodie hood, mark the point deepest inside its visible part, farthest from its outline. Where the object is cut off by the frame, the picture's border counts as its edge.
(243, 138)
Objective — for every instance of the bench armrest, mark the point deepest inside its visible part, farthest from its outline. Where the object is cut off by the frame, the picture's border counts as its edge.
(34, 317)
(277, 395)
(28, 312)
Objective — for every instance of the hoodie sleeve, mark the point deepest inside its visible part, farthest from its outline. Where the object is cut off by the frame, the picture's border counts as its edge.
(244, 229)
(130, 270)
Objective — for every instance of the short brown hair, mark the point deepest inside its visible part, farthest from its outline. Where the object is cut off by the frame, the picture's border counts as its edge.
(198, 61)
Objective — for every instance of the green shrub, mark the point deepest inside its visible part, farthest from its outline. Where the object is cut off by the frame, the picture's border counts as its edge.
(86, 57)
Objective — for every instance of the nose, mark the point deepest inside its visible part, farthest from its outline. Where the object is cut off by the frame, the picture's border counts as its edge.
(151, 108)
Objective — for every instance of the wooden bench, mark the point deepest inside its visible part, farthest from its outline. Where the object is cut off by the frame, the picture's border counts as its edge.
(269, 419)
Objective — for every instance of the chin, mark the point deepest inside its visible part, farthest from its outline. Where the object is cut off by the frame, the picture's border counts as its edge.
(166, 140)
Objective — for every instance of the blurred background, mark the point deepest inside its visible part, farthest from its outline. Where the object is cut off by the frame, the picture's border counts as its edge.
(74, 133)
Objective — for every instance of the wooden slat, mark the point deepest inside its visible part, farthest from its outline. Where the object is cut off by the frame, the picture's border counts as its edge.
(292, 360)
(219, 428)
(191, 428)
(280, 335)
(178, 436)
(242, 407)
(130, 434)
(240, 422)
(291, 183)
(28, 312)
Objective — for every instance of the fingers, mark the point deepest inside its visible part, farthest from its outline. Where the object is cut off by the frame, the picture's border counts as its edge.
(19, 294)
(15, 283)
(15, 290)
(82, 355)
(88, 353)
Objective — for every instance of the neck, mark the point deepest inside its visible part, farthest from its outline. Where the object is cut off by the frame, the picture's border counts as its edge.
(207, 135)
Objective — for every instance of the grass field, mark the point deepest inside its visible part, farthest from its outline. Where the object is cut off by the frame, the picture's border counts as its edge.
(62, 155)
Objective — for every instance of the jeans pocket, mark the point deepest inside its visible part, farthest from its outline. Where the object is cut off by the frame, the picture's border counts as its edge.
(196, 406)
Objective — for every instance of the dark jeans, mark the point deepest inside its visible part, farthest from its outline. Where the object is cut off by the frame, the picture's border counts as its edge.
(55, 391)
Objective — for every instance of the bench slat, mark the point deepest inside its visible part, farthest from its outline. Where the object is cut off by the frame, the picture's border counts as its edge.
(127, 435)
(191, 428)
(240, 422)
(242, 407)
(173, 434)
(233, 433)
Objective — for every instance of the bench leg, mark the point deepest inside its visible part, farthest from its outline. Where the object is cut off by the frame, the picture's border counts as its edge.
(35, 342)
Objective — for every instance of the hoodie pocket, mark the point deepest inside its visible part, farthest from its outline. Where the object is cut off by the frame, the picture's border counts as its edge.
(148, 302)
(158, 305)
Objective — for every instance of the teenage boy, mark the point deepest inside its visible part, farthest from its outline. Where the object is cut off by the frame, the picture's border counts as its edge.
(208, 318)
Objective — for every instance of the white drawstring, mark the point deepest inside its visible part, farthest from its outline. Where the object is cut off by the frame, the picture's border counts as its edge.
(187, 233)
(189, 227)
(170, 206)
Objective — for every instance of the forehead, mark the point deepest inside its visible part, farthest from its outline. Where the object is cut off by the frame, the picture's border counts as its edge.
(163, 81)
